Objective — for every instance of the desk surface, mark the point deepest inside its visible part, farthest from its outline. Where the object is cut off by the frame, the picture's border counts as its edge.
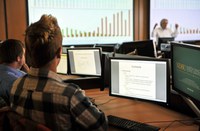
(141, 111)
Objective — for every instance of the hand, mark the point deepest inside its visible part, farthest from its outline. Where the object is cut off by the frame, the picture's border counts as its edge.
(25, 67)
(176, 26)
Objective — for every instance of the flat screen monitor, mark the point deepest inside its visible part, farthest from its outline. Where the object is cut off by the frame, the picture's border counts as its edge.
(84, 61)
(62, 66)
(106, 47)
(140, 78)
(164, 41)
(142, 48)
(186, 70)
(85, 22)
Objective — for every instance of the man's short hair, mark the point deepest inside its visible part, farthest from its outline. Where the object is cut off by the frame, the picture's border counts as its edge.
(43, 39)
(10, 49)
(163, 20)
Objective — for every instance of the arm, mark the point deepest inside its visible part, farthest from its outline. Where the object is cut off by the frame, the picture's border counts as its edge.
(25, 68)
(153, 34)
(175, 33)
(86, 114)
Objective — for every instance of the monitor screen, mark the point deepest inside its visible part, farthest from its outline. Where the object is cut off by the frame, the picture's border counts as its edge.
(186, 70)
(183, 12)
(140, 78)
(84, 22)
(162, 41)
(62, 66)
(142, 48)
(84, 61)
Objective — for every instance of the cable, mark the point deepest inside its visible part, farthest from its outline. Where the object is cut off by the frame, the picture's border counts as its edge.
(172, 122)
(107, 101)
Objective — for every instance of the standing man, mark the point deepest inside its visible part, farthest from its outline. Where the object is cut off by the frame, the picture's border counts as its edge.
(163, 30)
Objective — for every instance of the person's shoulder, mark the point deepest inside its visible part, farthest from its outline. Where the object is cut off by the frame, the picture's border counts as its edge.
(168, 28)
(10, 72)
(158, 28)
(8, 77)
(61, 87)
(72, 87)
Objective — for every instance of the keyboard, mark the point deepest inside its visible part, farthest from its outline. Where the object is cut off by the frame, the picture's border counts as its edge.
(129, 125)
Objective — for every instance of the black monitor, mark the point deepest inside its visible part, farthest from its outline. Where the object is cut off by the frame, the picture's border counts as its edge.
(140, 78)
(142, 48)
(107, 47)
(164, 40)
(186, 71)
(84, 61)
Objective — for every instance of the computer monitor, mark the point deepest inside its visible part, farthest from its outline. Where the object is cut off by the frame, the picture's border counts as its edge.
(106, 47)
(62, 66)
(84, 61)
(140, 78)
(164, 40)
(186, 71)
(143, 48)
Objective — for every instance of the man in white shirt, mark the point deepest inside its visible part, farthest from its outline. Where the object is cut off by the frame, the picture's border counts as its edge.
(163, 30)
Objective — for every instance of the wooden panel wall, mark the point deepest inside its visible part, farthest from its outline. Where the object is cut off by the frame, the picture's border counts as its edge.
(136, 20)
(2, 21)
(16, 18)
(141, 19)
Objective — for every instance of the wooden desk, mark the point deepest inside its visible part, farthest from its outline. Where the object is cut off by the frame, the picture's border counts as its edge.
(141, 111)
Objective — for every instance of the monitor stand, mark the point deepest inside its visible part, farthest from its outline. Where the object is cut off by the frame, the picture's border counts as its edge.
(196, 110)
(192, 105)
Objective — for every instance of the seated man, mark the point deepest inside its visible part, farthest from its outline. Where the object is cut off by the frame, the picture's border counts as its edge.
(41, 95)
(12, 58)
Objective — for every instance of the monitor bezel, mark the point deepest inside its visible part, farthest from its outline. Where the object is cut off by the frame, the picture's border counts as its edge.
(140, 45)
(144, 59)
(164, 39)
(146, 44)
(83, 48)
(184, 45)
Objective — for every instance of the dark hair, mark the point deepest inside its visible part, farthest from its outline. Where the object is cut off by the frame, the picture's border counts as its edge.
(163, 20)
(43, 39)
(10, 49)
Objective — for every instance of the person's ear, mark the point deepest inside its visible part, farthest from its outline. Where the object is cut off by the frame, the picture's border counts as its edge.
(59, 52)
(18, 58)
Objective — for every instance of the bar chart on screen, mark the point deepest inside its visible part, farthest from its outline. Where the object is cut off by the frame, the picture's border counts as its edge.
(88, 21)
